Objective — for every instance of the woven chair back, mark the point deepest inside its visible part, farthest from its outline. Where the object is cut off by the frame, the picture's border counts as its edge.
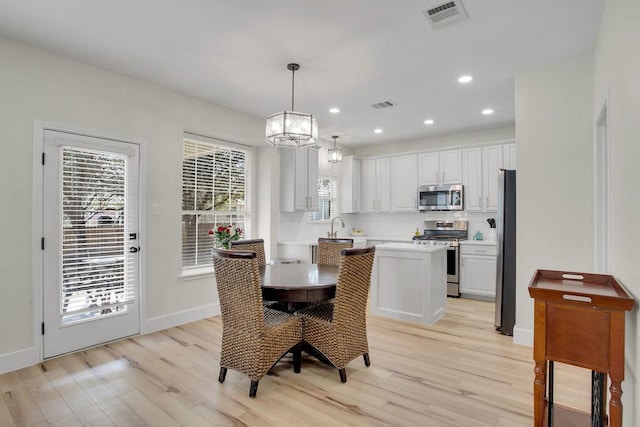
(254, 245)
(238, 282)
(352, 288)
(329, 250)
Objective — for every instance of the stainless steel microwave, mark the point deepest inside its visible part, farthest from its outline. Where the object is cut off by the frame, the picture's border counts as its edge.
(441, 198)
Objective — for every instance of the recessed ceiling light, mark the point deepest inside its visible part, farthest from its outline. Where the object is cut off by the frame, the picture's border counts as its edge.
(428, 122)
(334, 110)
(465, 79)
(377, 130)
(487, 111)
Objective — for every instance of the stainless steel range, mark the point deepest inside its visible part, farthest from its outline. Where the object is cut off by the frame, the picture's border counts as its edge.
(447, 233)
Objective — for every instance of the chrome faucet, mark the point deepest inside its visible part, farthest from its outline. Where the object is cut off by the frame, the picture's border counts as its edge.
(333, 234)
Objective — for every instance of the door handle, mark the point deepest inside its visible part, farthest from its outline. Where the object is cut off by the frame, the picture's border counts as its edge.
(134, 249)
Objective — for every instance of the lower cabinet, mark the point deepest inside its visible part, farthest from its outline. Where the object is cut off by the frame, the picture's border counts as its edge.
(478, 265)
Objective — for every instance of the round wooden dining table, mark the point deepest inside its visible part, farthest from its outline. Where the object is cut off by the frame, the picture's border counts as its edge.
(298, 283)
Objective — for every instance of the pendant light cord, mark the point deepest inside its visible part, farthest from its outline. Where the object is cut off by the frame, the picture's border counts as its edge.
(293, 87)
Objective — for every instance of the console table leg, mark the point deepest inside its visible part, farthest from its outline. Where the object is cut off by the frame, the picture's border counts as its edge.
(539, 391)
(615, 403)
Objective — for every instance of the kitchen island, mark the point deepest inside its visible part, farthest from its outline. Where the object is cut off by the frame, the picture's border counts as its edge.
(409, 282)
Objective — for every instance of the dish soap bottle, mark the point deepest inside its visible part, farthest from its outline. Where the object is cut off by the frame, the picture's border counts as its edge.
(417, 231)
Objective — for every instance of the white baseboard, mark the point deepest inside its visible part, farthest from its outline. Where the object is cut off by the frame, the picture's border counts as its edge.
(20, 359)
(522, 336)
(28, 357)
(174, 319)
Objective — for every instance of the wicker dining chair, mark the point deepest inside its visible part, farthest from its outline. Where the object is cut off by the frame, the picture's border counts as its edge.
(255, 245)
(329, 250)
(254, 337)
(338, 329)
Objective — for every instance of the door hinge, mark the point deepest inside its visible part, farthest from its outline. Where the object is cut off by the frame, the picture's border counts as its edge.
(42, 243)
(43, 157)
(42, 328)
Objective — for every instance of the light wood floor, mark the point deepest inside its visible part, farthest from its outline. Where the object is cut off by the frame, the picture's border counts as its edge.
(459, 372)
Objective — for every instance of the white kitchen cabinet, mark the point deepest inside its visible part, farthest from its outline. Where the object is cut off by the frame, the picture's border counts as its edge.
(298, 179)
(376, 185)
(472, 179)
(409, 282)
(478, 265)
(491, 164)
(350, 189)
(404, 183)
(480, 174)
(450, 163)
(509, 156)
(443, 167)
(428, 169)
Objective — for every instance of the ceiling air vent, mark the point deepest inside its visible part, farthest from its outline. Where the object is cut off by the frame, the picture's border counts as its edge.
(384, 104)
(444, 13)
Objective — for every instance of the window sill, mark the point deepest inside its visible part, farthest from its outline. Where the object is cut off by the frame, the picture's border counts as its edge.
(196, 273)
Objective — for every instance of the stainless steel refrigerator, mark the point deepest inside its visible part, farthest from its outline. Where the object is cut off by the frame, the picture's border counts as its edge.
(506, 235)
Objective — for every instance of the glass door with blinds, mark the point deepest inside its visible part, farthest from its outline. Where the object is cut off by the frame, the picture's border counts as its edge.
(91, 252)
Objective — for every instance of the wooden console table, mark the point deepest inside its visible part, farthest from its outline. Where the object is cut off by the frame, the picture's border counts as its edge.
(579, 319)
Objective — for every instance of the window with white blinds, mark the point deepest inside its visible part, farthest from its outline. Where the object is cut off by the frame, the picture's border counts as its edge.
(215, 191)
(97, 269)
(326, 200)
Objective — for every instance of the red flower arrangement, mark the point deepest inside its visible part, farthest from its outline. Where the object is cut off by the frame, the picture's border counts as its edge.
(224, 234)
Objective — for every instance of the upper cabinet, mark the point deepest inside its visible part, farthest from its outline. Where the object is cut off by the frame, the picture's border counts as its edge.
(298, 179)
(404, 183)
(350, 185)
(509, 156)
(472, 178)
(376, 190)
(491, 164)
(391, 184)
(444, 167)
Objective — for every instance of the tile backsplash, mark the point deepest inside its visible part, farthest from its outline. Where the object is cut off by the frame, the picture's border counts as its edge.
(294, 226)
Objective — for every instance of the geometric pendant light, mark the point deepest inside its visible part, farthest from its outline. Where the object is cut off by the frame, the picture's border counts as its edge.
(292, 129)
(335, 153)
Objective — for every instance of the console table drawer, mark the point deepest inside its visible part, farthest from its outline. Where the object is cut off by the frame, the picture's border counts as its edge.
(579, 336)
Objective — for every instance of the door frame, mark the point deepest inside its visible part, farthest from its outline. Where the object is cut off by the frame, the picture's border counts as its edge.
(39, 128)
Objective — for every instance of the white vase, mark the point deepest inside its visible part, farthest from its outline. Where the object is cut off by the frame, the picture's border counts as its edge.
(493, 234)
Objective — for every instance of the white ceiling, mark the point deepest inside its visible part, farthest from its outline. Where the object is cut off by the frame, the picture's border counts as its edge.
(353, 53)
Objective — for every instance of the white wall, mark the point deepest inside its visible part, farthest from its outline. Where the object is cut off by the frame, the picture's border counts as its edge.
(35, 85)
(617, 66)
(554, 177)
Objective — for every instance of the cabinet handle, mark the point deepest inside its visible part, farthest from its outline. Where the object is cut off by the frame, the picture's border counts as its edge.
(487, 201)
(479, 202)
(442, 177)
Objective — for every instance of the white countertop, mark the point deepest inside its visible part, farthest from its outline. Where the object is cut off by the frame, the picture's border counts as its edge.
(390, 238)
(471, 242)
(393, 246)
(315, 242)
